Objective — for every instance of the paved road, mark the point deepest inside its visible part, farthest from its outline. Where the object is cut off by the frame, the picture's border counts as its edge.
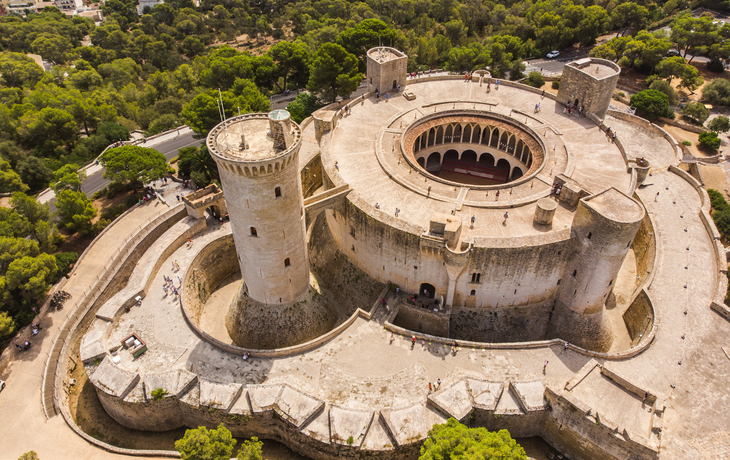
(549, 66)
(168, 147)
(167, 144)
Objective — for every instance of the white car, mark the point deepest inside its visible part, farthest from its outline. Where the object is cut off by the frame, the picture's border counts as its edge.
(553, 54)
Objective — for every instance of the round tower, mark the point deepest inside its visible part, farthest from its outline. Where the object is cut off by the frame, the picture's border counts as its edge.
(258, 161)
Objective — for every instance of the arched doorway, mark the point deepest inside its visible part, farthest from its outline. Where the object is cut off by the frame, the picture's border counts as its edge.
(469, 156)
(486, 160)
(395, 84)
(422, 162)
(427, 290)
(516, 173)
(434, 160)
(451, 155)
(503, 165)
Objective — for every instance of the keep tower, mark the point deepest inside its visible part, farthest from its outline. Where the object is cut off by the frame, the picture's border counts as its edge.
(387, 68)
(258, 161)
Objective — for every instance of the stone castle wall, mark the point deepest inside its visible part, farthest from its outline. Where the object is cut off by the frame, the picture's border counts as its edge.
(593, 93)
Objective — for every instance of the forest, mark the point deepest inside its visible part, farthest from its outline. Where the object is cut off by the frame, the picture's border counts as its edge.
(168, 67)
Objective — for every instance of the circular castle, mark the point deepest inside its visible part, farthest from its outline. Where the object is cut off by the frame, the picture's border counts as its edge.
(454, 215)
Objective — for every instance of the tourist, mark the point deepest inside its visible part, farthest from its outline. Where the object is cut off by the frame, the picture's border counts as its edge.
(397, 211)
(489, 86)
(387, 96)
(377, 205)
(536, 108)
(656, 197)
(430, 387)
(506, 215)
(613, 137)
(566, 346)
(497, 196)
(473, 219)
(438, 384)
(544, 366)
(178, 197)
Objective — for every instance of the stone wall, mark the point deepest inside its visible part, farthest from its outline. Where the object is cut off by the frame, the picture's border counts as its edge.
(422, 320)
(639, 317)
(593, 91)
(503, 324)
(312, 176)
(644, 247)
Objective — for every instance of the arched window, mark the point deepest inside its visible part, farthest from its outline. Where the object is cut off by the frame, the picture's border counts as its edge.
(286, 262)
(277, 192)
(254, 232)
(575, 272)
(473, 292)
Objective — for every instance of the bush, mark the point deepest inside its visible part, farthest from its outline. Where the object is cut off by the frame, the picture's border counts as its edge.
(555, 84)
(696, 112)
(719, 124)
(7, 325)
(535, 79)
(651, 79)
(717, 92)
(715, 66)
(113, 212)
(114, 189)
(666, 88)
(651, 104)
(131, 201)
(717, 200)
(710, 140)
(64, 260)
(158, 394)
(687, 143)
(99, 226)
(722, 222)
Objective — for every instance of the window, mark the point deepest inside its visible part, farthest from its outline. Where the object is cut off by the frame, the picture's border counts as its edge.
(476, 277)
(473, 293)
(277, 192)
(254, 232)
(611, 283)
(589, 235)
(286, 262)
(559, 282)
(575, 272)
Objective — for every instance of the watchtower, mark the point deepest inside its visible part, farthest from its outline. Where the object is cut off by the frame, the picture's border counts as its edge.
(387, 69)
(589, 83)
(258, 161)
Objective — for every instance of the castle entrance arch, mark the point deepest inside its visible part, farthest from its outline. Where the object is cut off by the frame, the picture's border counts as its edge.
(427, 290)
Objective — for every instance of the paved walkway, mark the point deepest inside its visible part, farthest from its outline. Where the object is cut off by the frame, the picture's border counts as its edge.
(23, 425)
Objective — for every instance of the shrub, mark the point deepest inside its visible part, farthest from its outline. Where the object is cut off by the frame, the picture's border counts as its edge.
(651, 79)
(666, 88)
(717, 200)
(99, 226)
(696, 112)
(719, 124)
(64, 260)
(710, 140)
(113, 212)
(131, 201)
(722, 222)
(717, 92)
(535, 79)
(715, 66)
(650, 104)
(687, 143)
(7, 325)
(158, 394)
(555, 84)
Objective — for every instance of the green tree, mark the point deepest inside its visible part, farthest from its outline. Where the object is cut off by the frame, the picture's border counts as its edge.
(203, 444)
(68, 177)
(113, 132)
(53, 47)
(251, 450)
(35, 173)
(163, 123)
(18, 70)
(85, 80)
(64, 260)
(7, 327)
(292, 61)
(694, 36)
(31, 275)
(303, 106)
(717, 92)
(710, 140)
(29, 455)
(75, 211)
(10, 180)
(719, 124)
(666, 88)
(201, 114)
(629, 15)
(334, 72)
(650, 104)
(367, 34)
(30, 208)
(12, 248)
(136, 165)
(535, 79)
(691, 79)
(47, 129)
(197, 160)
(696, 111)
(452, 440)
(672, 67)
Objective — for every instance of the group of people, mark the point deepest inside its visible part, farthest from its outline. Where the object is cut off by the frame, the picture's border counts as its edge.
(34, 328)
(610, 135)
(556, 189)
(570, 108)
(169, 285)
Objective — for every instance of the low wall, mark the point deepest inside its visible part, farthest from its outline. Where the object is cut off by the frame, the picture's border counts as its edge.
(422, 320)
(649, 127)
(684, 126)
(639, 317)
(511, 324)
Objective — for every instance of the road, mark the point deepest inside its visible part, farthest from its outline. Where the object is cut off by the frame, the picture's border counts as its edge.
(167, 144)
(551, 66)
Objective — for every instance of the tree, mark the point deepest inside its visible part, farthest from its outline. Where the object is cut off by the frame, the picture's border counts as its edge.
(12, 248)
(29, 455)
(694, 36)
(136, 165)
(201, 114)
(367, 34)
(696, 111)
(31, 275)
(629, 15)
(719, 124)
(64, 260)
(691, 79)
(75, 211)
(163, 123)
(113, 132)
(55, 48)
(303, 106)
(203, 444)
(535, 79)
(7, 327)
(30, 208)
(292, 60)
(717, 92)
(666, 88)
(334, 72)
(710, 140)
(10, 180)
(35, 173)
(197, 160)
(47, 129)
(251, 450)
(452, 440)
(68, 177)
(19, 70)
(650, 104)
(672, 67)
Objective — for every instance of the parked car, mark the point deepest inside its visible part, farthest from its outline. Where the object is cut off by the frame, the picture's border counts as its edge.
(673, 52)
(553, 54)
